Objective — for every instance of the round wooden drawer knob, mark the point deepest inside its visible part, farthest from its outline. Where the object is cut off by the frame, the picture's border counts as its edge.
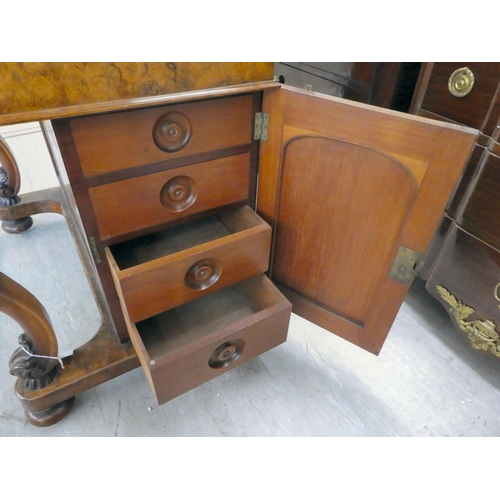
(203, 274)
(179, 193)
(226, 353)
(172, 131)
(461, 82)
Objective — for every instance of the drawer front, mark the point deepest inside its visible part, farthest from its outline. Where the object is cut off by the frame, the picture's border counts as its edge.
(466, 280)
(471, 109)
(161, 284)
(116, 141)
(194, 343)
(481, 214)
(133, 204)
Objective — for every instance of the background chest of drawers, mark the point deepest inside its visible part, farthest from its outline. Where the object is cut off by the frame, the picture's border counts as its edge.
(462, 267)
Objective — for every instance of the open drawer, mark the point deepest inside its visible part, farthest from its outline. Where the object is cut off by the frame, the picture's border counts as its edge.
(191, 344)
(164, 270)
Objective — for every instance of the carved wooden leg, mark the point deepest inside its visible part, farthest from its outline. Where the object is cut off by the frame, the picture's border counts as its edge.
(99, 360)
(10, 182)
(35, 362)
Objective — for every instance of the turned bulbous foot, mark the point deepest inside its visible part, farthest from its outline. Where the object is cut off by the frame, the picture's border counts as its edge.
(49, 416)
(17, 226)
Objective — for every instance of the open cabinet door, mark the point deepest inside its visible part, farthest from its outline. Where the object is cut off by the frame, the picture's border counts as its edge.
(354, 194)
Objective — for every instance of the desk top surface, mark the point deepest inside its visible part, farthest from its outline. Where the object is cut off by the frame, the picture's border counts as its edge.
(38, 91)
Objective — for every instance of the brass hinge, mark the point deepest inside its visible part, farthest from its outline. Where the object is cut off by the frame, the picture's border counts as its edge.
(405, 264)
(260, 129)
(95, 251)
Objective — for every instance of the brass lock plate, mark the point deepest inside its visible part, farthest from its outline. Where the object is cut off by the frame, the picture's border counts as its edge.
(405, 264)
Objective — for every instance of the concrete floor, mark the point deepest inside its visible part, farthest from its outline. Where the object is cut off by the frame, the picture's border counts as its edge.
(426, 381)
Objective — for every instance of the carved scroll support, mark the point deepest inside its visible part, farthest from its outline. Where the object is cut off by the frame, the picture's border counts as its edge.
(101, 359)
(10, 182)
(35, 362)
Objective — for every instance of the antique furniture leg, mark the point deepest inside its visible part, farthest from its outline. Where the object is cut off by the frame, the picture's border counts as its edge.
(10, 182)
(46, 389)
(35, 363)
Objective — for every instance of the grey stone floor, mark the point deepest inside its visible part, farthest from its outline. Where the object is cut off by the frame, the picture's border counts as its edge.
(426, 381)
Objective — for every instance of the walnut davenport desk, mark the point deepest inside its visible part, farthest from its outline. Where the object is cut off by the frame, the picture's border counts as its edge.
(207, 201)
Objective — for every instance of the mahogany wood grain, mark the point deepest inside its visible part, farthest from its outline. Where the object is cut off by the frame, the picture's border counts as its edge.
(269, 154)
(432, 152)
(132, 204)
(175, 347)
(336, 230)
(239, 242)
(116, 141)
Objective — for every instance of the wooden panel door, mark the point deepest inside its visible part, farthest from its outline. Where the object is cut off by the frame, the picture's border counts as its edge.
(345, 187)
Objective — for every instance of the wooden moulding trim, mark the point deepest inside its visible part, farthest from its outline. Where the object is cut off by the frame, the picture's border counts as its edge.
(420, 88)
(125, 104)
(153, 168)
(494, 147)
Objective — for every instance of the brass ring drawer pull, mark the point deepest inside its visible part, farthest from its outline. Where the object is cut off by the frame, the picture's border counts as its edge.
(495, 293)
(461, 82)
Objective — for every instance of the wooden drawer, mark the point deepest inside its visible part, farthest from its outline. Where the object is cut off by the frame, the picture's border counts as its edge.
(187, 346)
(480, 215)
(116, 141)
(133, 204)
(158, 272)
(472, 109)
(466, 280)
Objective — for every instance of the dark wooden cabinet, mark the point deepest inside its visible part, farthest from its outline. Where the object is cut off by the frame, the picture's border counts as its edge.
(385, 84)
(211, 214)
(462, 268)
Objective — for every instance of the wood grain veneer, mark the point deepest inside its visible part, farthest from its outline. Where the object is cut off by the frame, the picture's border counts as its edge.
(45, 90)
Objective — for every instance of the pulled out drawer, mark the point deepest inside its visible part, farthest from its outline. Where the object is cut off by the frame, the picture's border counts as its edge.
(191, 344)
(161, 271)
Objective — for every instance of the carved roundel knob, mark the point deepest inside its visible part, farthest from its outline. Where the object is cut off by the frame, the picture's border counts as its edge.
(461, 82)
(172, 131)
(179, 193)
(226, 353)
(203, 274)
